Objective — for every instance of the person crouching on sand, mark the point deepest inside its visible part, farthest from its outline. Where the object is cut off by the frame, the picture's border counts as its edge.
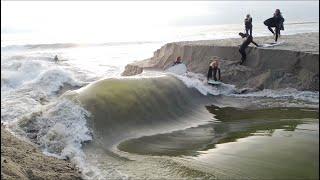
(244, 45)
(213, 71)
(277, 22)
(178, 61)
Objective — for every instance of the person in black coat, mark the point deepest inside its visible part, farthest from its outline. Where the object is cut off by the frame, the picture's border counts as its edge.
(277, 22)
(244, 45)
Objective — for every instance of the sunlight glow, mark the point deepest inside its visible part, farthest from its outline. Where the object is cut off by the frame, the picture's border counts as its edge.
(110, 21)
(90, 20)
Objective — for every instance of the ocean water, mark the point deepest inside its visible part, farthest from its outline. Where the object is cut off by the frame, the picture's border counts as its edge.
(155, 125)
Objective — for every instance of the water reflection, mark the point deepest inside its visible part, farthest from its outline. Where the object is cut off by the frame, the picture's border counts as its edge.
(230, 124)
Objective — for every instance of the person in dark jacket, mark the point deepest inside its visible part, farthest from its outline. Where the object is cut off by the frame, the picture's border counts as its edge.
(244, 45)
(213, 71)
(56, 58)
(248, 24)
(178, 61)
(277, 22)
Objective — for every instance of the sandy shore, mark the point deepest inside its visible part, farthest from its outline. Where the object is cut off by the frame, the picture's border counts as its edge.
(304, 42)
(21, 160)
(292, 64)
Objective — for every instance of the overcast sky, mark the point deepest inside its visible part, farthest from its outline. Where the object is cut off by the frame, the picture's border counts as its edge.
(87, 18)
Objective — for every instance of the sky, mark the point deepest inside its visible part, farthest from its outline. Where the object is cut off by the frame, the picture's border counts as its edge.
(121, 21)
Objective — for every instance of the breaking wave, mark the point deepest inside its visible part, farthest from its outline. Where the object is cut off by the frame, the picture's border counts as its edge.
(130, 107)
(111, 110)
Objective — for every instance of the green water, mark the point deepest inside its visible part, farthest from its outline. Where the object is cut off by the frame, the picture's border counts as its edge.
(276, 143)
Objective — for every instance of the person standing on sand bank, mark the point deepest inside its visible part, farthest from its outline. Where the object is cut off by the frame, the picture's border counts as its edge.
(277, 22)
(178, 61)
(244, 45)
(213, 70)
(248, 24)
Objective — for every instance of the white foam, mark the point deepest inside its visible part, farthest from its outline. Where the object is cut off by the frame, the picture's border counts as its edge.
(179, 69)
(27, 83)
(287, 93)
(61, 128)
(27, 99)
(15, 73)
(53, 79)
(198, 81)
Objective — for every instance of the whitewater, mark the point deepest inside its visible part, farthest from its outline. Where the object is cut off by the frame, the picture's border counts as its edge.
(81, 108)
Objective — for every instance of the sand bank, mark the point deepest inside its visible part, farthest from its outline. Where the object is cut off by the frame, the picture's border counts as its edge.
(293, 64)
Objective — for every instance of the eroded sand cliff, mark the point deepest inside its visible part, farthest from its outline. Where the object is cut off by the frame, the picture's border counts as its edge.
(294, 63)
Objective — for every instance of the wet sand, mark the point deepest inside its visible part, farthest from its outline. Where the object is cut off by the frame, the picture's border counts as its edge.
(22, 160)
